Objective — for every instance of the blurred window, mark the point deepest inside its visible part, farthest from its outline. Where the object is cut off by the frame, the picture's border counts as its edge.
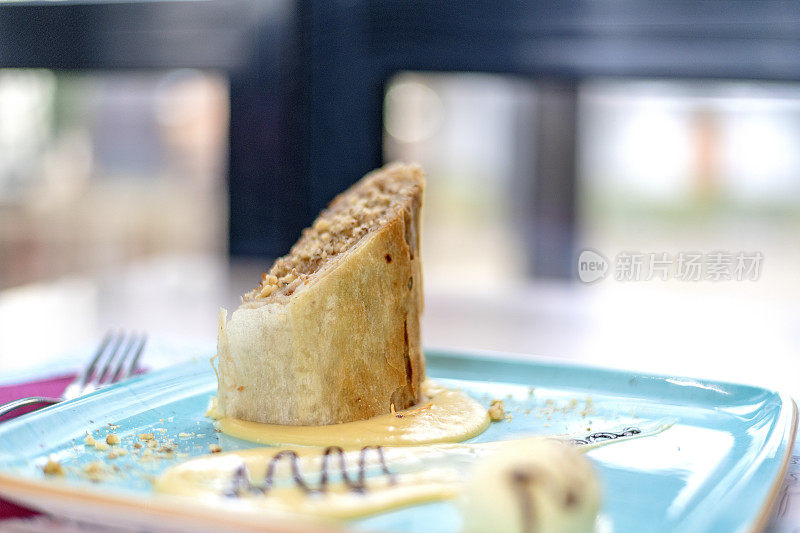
(663, 166)
(467, 131)
(671, 166)
(100, 168)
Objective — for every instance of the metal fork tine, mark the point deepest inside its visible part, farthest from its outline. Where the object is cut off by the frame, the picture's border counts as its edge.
(98, 372)
(100, 377)
(132, 351)
(89, 370)
(135, 361)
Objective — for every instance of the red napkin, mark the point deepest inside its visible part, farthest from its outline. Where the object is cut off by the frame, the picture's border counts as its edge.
(45, 387)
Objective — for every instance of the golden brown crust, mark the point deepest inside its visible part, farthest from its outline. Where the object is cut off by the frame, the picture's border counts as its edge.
(344, 345)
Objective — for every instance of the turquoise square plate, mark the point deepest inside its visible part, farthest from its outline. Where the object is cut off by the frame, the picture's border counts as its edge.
(718, 468)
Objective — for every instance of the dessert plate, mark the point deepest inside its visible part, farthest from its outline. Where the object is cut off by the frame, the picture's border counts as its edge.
(717, 468)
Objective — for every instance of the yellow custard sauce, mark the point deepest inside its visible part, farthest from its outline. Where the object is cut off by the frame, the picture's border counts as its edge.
(418, 474)
(355, 469)
(211, 478)
(444, 416)
(376, 479)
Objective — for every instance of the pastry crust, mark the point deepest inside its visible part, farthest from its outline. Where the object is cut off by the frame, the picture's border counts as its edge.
(344, 345)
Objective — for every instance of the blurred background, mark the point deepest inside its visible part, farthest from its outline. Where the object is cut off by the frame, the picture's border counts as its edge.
(155, 156)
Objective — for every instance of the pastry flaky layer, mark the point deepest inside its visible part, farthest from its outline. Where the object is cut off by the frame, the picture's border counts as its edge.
(332, 333)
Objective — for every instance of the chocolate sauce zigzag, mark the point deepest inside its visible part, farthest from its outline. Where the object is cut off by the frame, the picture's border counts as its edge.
(241, 482)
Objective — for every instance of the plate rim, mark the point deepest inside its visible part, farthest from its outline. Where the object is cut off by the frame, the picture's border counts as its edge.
(763, 518)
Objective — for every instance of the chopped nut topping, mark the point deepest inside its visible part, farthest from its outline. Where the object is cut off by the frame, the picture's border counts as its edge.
(112, 439)
(348, 218)
(266, 291)
(214, 448)
(322, 224)
(53, 468)
(497, 410)
(146, 436)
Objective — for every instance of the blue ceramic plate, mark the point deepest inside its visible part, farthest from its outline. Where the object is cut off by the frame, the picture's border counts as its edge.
(718, 468)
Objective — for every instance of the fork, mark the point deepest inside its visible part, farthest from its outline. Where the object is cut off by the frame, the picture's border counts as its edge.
(115, 359)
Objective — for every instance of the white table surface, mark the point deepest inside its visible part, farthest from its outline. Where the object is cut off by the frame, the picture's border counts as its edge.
(720, 333)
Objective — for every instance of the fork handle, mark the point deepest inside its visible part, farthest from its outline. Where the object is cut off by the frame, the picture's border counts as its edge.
(7, 408)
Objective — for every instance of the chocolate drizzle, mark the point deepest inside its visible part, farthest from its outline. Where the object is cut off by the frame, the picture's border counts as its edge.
(241, 483)
(606, 435)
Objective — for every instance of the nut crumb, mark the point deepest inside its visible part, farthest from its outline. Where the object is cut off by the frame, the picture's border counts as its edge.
(94, 470)
(497, 410)
(137, 445)
(146, 436)
(111, 438)
(53, 468)
(214, 448)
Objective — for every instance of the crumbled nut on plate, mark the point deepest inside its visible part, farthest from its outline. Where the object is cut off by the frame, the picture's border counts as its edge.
(497, 410)
(95, 468)
(111, 438)
(137, 445)
(146, 436)
(214, 448)
(53, 468)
